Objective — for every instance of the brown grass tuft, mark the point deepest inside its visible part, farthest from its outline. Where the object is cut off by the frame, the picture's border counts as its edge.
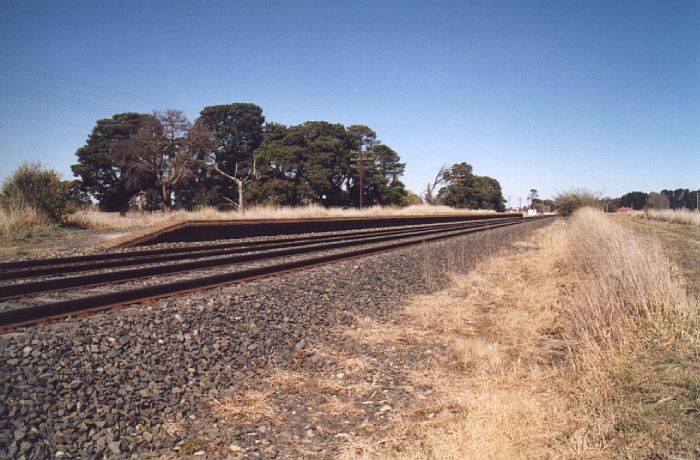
(250, 406)
(20, 219)
(677, 216)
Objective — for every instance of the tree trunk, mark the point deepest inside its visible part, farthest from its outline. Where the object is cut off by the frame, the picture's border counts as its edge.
(166, 198)
(239, 185)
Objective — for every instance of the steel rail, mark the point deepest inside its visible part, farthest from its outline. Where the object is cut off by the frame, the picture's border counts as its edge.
(10, 291)
(55, 261)
(11, 319)
(196, 252)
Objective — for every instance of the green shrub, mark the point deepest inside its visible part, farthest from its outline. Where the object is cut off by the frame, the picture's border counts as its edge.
(35, 186)
(565, 203)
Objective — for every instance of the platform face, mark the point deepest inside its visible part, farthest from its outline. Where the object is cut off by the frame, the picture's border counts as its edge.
(193, 231)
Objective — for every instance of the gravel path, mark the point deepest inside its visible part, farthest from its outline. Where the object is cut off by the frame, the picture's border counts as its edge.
(138, 382)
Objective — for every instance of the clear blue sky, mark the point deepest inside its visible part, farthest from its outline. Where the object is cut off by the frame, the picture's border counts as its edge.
(544, 94)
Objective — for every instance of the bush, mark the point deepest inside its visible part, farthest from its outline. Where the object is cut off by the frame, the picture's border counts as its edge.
(410, 199)
(34, 186)
(566, 203)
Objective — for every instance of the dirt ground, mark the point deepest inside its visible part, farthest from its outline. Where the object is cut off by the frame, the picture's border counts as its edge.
(56, 242)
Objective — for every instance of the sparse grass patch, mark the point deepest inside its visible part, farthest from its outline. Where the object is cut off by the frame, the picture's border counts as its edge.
(249, 406)
(194, 445)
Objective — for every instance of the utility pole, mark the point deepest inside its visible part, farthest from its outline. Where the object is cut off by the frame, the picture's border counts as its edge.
(520, 204)
(362, 157)
(508, 202)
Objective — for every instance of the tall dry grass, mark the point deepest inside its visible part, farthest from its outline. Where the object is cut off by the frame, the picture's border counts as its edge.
(627, 285)
(677, 216)
(582, 343)
(20, 219)
(135, 220)
(630, 328)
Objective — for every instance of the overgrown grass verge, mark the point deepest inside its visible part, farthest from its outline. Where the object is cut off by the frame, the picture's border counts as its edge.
(134, 220)
(677, 216)
(20, 221)
(583, 344)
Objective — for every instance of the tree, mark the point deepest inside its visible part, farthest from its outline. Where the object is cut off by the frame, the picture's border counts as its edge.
(411, 199)
(313, 163)
(364, 139)
(463, 189)
(657, 201)
(308, 163)
(283, 156)
(489, 194)
(164, 147)
(566, 203)
(101, 173)
(237, 131)
(634, 200)
(39, 187)
(679, 198)
(381, 182)
(531, 197)
(429, 194)
(610, 204)
(693, 200)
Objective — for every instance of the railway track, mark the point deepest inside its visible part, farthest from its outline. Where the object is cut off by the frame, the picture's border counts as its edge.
(203, 267)
(42, 267)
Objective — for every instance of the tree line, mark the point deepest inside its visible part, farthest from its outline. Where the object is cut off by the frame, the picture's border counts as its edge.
(231, 157)
(680, 198)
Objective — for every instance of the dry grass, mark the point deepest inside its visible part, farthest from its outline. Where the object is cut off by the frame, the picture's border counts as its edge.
(628, 285)
(249, 406)
(493, 398)
(20, 220)
(631, 332)
(677, 216)
(582, 344)
(134, 220)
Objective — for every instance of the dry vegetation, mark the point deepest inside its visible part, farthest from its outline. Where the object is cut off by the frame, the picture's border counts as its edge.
(677, 216)
(583, 344)
(133, 220)
(251, 406)
(19, 220)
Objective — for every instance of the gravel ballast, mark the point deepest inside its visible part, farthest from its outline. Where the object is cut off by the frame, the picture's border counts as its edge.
(111, 385)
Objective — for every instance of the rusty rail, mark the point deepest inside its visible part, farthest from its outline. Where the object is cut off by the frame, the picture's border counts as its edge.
(12, 319)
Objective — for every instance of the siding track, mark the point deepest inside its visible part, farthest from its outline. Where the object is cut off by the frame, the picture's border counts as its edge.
(202, 266)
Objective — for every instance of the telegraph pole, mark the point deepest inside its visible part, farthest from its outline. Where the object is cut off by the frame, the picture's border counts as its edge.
(362, 157)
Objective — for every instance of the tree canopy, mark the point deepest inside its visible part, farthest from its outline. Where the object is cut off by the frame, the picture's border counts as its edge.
(229, 157)
(464, 189)
(635, 200)
(101, 170)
